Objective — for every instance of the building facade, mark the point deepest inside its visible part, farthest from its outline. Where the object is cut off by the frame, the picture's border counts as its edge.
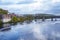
(6, 18)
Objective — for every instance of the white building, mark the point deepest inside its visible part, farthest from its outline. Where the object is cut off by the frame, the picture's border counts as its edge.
(6, 18)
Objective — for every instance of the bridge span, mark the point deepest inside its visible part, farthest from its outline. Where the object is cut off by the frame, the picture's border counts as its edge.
(53, 18)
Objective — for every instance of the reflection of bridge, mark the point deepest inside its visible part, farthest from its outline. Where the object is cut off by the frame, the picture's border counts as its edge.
(53, 18)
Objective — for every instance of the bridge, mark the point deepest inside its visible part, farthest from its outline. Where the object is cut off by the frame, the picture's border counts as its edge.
(53, 18)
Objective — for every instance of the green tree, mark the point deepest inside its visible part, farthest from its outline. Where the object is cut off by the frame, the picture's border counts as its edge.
(14, 19)
(29, 17)
(2, 11)
(1, 22)
(21, 19)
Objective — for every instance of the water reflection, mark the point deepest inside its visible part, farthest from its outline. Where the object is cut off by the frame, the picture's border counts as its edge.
(53, 32)
(34, 31)
(5, 27)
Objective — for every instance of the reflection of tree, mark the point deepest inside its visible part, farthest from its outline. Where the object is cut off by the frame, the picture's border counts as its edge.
(14, 19)
(13, 24)
(1, 26)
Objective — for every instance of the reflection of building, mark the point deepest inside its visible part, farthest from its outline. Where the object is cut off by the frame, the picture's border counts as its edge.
(5, 27)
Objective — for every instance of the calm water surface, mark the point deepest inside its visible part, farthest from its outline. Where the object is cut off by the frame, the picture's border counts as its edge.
(48, 30)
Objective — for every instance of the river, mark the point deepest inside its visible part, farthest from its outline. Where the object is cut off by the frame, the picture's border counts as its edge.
(47, 30)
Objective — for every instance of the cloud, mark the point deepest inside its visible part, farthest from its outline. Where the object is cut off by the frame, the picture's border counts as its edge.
(26, 2)
(31, 6)
(8, 2)
(55, 8)
(54, 1)
(22, 7)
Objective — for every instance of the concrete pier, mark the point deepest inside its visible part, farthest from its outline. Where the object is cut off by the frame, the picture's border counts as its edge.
(43, 19)
(51, 19)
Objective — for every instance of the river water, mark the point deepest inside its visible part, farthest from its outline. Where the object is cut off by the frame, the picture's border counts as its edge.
(47, 30)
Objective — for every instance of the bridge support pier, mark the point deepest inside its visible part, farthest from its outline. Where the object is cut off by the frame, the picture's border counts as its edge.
(35, 20)
(51, 19)
(55, 19)
(43, 19)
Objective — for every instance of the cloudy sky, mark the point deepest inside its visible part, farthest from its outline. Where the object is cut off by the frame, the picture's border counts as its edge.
(31, 6)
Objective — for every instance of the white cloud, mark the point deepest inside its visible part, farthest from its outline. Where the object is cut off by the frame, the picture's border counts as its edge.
(23, 7)
(35, 6)
(12, 1)
(54, 1)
